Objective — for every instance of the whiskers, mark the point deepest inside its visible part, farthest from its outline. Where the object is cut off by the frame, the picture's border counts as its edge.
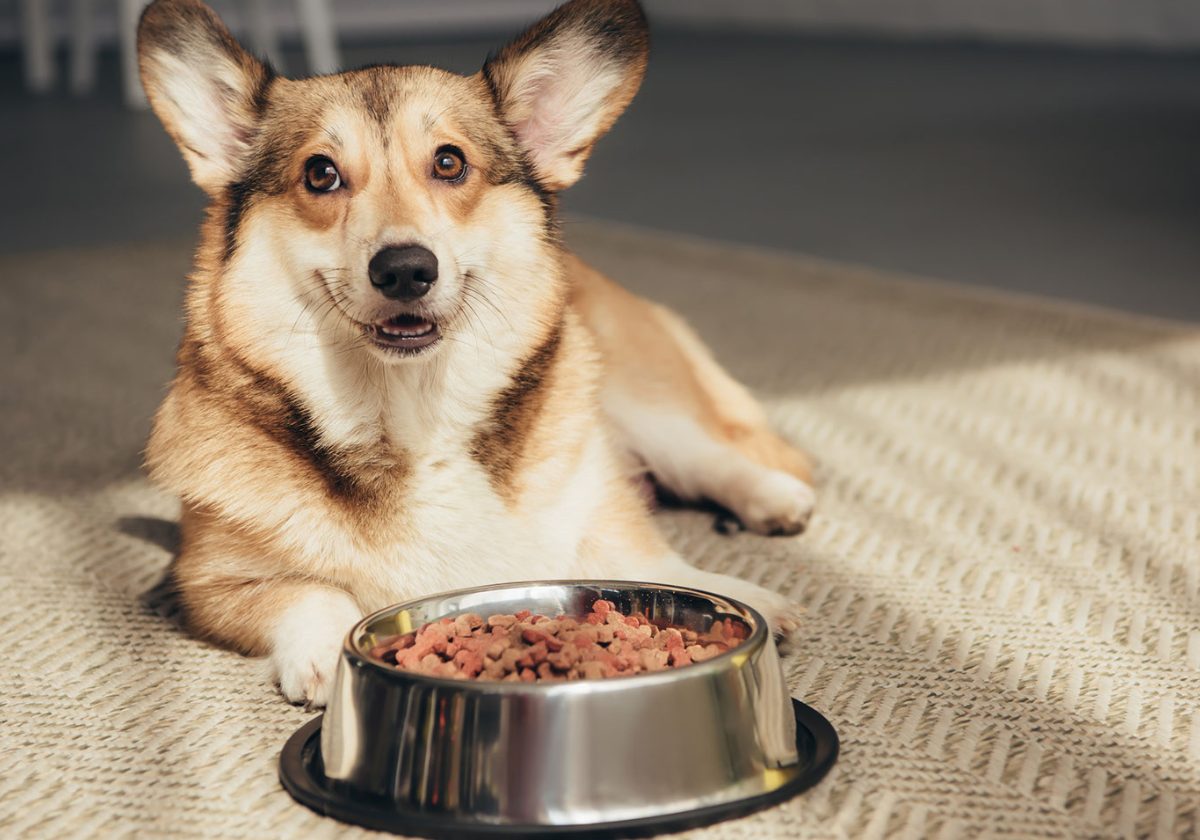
(321, 300)
(476, 290)
(478, 317)
(471, 297)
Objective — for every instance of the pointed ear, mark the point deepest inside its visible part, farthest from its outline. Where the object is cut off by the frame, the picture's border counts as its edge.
(205, 88)
(564, 82)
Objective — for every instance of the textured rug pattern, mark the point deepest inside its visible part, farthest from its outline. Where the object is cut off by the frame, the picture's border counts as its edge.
(1002, 579)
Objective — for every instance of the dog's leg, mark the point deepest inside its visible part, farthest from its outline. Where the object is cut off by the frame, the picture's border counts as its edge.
(231, 598)
(700, 433)
(306, 643)
(624, 544)
(298, 626)
(694, 464)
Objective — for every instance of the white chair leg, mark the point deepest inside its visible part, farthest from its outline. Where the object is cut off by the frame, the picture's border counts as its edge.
(262, 33)
(320, 37)
(83, 47)
(128, 14)
(37, 46)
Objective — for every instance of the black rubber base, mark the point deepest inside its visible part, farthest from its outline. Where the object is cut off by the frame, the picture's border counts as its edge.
(302, 774)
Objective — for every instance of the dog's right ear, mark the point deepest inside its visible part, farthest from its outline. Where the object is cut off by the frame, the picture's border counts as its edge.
(205, 88)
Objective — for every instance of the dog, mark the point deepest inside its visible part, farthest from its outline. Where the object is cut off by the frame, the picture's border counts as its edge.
(394, 379)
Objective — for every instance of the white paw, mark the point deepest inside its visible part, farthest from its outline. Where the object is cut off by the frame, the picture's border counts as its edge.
(776, 503)
(783, 615)
(307, 644)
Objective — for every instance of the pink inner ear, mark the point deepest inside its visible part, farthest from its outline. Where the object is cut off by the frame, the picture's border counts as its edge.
(558, 100)
(540, 129)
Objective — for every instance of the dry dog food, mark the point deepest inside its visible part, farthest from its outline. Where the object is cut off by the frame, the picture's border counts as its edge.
(530, 647)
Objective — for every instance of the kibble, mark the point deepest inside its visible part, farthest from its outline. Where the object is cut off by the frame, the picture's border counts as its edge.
(528, 647)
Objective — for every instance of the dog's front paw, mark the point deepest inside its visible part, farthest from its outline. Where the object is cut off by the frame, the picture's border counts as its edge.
(776, 504)
(307, 644)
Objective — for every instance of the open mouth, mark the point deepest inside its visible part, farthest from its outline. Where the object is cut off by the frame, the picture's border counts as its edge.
(404, 333)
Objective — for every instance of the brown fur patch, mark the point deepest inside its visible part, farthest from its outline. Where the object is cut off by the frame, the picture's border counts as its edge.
(501, 442)
(357, 478)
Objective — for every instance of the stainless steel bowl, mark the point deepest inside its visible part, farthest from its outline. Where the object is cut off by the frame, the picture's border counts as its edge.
(452, 756)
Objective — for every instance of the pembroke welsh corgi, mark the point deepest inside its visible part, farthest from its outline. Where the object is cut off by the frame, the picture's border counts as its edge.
(394, 379)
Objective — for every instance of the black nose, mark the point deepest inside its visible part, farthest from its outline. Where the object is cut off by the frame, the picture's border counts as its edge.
(405, 272)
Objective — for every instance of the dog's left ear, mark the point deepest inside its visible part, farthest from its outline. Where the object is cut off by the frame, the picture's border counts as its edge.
(566, 80)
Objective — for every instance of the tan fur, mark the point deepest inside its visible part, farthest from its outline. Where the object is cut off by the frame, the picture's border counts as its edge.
(652, 355)
(322, 476)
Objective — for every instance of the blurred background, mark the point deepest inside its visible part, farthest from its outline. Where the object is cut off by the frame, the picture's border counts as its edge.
(1043, 146)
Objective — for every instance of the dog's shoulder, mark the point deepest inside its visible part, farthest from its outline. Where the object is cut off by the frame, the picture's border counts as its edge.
(234, 436)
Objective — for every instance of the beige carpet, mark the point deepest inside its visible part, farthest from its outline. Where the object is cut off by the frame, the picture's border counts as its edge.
(1003, 578)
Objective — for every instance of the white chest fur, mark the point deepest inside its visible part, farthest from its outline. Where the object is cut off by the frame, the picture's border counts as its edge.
(457, 531)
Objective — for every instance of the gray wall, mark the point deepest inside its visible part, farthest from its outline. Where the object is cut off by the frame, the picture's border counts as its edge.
(1140, 23)
(1154, 23)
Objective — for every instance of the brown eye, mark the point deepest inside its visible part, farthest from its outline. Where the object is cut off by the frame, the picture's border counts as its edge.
(449, 164)
(320, 175)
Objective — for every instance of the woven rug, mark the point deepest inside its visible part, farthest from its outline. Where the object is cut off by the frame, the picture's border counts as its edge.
(1002, 579)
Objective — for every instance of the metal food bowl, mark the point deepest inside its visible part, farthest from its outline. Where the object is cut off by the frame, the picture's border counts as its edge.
(406, 752)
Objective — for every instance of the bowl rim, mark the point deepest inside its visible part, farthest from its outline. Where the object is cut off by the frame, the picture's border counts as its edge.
(759, 637)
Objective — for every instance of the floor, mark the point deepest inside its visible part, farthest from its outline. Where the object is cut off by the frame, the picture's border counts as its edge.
(1065, 173)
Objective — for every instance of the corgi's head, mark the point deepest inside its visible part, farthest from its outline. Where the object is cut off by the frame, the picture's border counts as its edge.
(390, 208)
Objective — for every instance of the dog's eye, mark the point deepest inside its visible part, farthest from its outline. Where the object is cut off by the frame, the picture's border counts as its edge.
(320, 175)
(449, 164)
